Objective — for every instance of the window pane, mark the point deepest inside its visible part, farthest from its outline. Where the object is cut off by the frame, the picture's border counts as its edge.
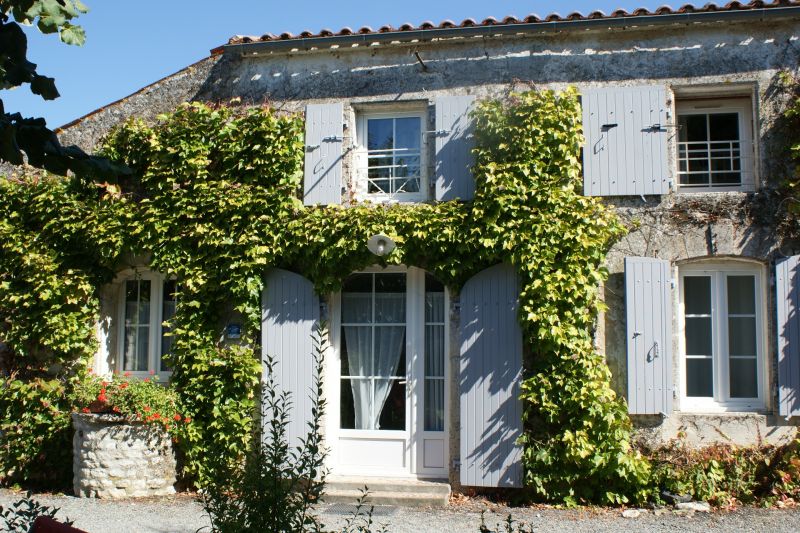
(726, 178)
(144, 301)
(379, 134)
(741, 295)
(434, 405)
(408, 132)
(697, 295)
(744, 378)
(742, 335)
(698, 336)
(434, 350)
(692, 128)
(699, 378)
(724, 126)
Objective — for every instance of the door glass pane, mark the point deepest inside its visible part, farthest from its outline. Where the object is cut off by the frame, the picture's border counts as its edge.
(741, 295)
(699, 378)
(434, 404)
(434, 355)
(393, 413)
(373, 348)
(744, 378)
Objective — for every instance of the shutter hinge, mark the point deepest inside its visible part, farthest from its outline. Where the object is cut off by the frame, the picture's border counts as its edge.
(437, 132)
(456, 464)
(672, 283)
(674, 392)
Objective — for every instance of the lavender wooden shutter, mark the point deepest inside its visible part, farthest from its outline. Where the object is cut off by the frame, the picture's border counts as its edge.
(454, 142)
(290, 314)
(489, 381)
(648, 303)
(788, 298)
(625, 152)
(323, 161)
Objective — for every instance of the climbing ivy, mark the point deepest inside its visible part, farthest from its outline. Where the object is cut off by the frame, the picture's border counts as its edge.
(215, 203)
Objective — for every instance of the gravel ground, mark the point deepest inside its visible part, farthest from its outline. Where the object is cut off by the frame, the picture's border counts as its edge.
(182, 513)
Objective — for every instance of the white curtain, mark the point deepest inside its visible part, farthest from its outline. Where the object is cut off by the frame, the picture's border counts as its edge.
(359, 363)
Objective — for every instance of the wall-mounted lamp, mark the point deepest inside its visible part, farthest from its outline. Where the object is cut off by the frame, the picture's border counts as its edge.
(380, 244)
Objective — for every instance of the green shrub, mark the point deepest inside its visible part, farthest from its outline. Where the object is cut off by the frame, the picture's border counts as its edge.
(278, 482)
(727, 475)
(19, 518)
(35, 432)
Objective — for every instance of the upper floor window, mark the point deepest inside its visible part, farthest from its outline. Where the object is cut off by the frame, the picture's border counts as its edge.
(146, 301)
(715, 144)
(392, 167)
(722, 337)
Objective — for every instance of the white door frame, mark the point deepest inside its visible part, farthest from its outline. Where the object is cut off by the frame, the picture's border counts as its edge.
(361, 452)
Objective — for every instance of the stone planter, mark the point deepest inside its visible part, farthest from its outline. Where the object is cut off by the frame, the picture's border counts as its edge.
(114, 458)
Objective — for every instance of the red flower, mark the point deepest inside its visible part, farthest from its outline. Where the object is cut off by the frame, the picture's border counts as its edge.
(45, 403)
(177, 417)
(85, 410)
(115, 409)
(123, 386)
(156, 416)
(187, 420)
(127, 374)
(166, 427)
(91, 371)
(102, 398)
(104, 384)
(146, 409)
(152, 372)
(146, 380)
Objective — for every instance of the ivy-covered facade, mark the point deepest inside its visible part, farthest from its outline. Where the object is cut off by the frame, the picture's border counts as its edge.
(457, 206)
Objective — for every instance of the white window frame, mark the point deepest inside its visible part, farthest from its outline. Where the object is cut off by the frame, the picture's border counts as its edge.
(156, 324)
(743, 107)
(721, 401)
(362, 185)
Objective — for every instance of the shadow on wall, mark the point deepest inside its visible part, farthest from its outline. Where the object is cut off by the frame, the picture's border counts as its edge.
(545, 59)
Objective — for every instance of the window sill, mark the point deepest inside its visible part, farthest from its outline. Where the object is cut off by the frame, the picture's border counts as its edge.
(724, 409)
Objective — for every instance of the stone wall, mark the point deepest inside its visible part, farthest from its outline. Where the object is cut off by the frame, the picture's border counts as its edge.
(114, 459)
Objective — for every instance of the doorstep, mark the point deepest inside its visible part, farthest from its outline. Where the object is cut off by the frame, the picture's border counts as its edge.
(404, 492)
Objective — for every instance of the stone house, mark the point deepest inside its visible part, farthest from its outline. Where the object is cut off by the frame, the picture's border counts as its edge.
(682, 126)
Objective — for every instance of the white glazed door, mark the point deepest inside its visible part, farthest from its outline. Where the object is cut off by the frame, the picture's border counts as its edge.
(378, 377)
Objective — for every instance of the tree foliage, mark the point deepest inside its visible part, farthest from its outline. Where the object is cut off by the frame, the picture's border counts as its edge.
(28, 139)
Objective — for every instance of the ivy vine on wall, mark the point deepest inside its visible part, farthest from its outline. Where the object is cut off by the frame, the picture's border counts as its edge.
(215, 204)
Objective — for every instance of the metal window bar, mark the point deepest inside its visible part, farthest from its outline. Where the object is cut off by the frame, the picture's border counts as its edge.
(693, 152)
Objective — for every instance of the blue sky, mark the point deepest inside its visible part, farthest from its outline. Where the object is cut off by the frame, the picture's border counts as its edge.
(131, 43)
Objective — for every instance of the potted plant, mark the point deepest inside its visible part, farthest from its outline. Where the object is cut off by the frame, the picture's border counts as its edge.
(124, 430)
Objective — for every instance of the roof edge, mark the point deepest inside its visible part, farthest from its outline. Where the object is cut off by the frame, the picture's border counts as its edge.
(354, 41)
(80, 119)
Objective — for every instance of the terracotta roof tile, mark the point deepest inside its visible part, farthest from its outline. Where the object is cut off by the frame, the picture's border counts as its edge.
(530, 19)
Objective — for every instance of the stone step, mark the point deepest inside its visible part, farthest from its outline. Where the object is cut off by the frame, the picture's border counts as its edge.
(388, 491)
(398, 498)
(382, 484)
